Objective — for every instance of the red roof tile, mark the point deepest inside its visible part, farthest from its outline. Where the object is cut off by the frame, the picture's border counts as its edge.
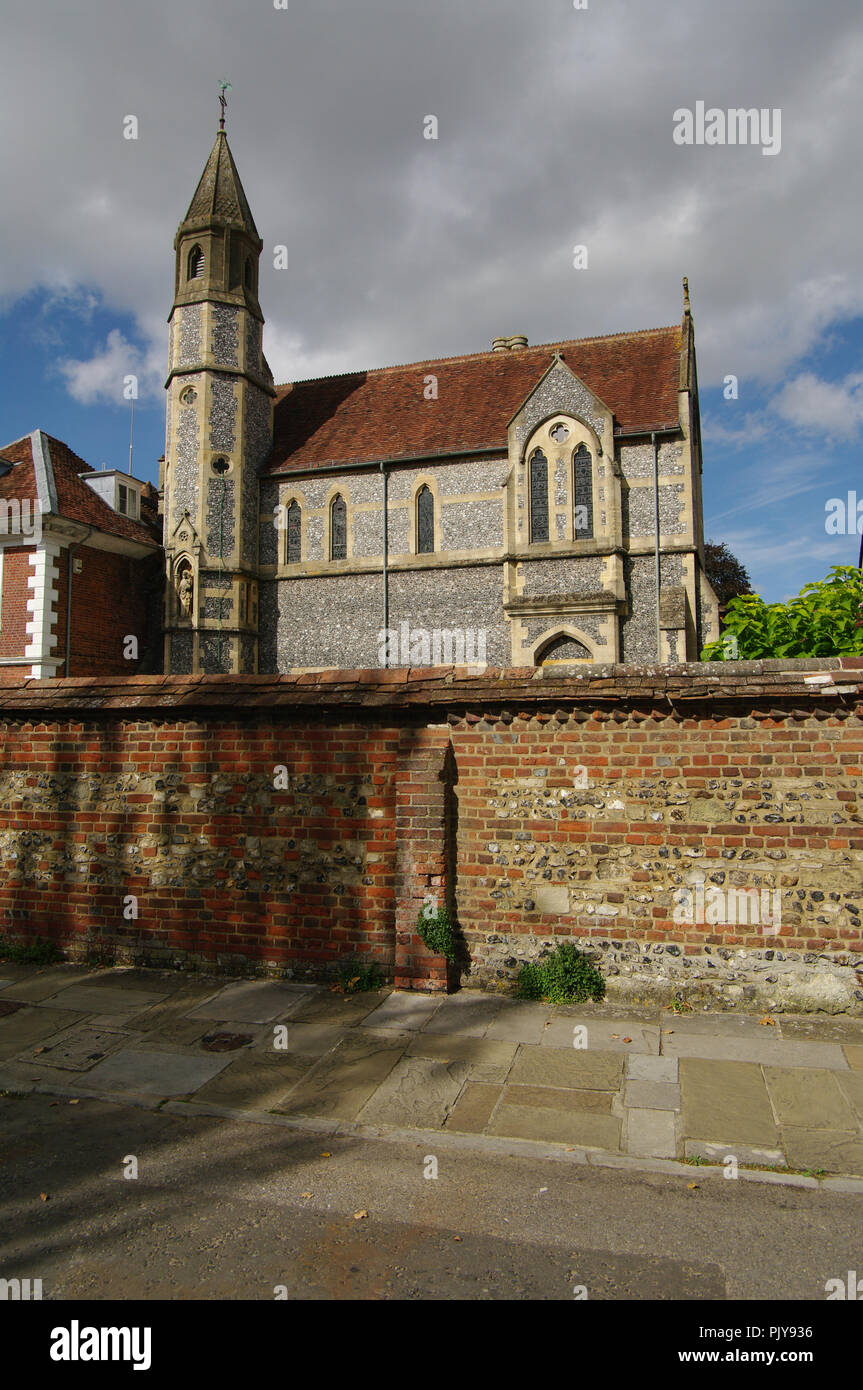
(383, 413)
(76, 501)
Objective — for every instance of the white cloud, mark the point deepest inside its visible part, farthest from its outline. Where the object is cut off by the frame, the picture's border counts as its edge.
(832, 409)
(101, 378)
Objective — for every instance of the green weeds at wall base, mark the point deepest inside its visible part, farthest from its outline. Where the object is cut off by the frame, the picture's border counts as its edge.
(567, 976)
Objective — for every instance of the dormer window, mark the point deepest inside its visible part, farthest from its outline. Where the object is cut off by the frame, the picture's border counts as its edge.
(127, 500)
(196, 263)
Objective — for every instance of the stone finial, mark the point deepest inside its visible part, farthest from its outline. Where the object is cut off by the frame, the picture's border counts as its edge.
(687, 307)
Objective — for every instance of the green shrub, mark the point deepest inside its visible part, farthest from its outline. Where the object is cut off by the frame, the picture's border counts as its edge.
(436, 932)
(36, 952)
(566, 976)
(359, 979)
(823, 620)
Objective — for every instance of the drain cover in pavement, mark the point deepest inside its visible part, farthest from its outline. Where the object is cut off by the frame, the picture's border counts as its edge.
(225, 1042)
(8, 1006)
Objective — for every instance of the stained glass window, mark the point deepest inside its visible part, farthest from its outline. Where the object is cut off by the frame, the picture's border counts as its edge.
(339, 529)
(539, 497)
(425, 521)
(294, 534)
(582, 522)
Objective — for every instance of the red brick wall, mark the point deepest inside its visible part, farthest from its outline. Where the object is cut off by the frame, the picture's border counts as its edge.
(511, 797)
(13, 614)
(767, 803)
(108, 604)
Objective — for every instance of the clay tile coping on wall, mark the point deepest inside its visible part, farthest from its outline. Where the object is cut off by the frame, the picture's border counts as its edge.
(828, 682)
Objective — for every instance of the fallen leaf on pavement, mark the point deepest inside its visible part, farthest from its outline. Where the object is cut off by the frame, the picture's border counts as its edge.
(360, 1215)
(43, 1196)
(691, 1185)
(767, 1021)
(305, 1194)
(627, 1039)
(74, 1102)
(456, 1237)
(325, 1155)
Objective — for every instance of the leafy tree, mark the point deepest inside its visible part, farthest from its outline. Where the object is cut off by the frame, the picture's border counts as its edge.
(826, 619)
(725, 572)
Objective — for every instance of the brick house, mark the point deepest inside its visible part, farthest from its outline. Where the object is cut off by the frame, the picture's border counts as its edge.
(518, 506)
(80, 565)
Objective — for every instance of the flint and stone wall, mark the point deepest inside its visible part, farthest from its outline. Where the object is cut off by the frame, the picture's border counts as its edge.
(292, 823)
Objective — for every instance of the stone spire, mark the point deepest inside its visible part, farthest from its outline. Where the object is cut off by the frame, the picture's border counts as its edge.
(219, 196)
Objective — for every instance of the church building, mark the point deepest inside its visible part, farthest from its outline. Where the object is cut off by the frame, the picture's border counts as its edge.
(501, 507)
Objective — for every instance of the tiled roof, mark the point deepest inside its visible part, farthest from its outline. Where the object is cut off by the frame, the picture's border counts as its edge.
(75, 500)
(384, 414)
(220, 194)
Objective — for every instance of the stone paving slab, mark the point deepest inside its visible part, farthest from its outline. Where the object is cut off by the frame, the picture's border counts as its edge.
(466, 1015)
(346, 1009)
(854, 1056)
(640, 1068)
(80, 1048)
(154, 1073)
(489, 1061)
(820, 1029)
(339, 1085)
(726, 1102)
(418, 1093)
(174, 1034)
(577, 1127)
(549, 1098)
(603, 1034)
(808, 1099)
(520, 1023)
(305, 1039)
(32, 1026)
(403, 1010)
(650, 1133)
(569, 1069)
(833, 1151)
(851, 1085)
(474, 1108)
(718, 1024)
(101, 999)
(48, 982)
(764, 1051)
(744, 1153)
(174, 1006)
(652, 1095)
(252, 1001)
(255, 1080)
(149, 981)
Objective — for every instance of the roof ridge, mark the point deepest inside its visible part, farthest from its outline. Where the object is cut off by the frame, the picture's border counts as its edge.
(473, 356)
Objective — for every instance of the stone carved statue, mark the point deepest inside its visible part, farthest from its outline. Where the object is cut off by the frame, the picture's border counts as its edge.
(185, 590)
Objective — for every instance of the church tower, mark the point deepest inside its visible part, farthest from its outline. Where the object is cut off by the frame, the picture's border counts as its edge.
(218, 430)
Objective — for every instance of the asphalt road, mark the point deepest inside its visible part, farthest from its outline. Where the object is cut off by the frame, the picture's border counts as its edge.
(225, 1210)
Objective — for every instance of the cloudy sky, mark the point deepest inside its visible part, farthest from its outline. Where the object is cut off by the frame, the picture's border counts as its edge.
(555, 129)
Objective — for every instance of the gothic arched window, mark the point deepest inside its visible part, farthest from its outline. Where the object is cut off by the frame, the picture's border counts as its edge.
(196, 263)
(425, 521)
(338, 529)
(295, 543)
(249, 274)
(538, 496)
(582, 494)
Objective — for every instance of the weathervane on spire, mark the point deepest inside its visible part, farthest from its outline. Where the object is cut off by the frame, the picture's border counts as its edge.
(223, 102)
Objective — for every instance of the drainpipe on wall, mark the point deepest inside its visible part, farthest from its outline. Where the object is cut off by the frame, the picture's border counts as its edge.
(384, 572)
(656, 539)
(72, 549)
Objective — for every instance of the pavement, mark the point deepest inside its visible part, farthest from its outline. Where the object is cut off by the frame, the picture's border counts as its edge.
(781, 1096)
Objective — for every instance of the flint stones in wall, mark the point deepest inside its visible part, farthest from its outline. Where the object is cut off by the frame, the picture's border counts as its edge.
(190, 335)
(225, 334)
(223, 414)
(559, 392)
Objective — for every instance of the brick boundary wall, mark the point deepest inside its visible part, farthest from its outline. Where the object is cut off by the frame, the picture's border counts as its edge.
(537, 804)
